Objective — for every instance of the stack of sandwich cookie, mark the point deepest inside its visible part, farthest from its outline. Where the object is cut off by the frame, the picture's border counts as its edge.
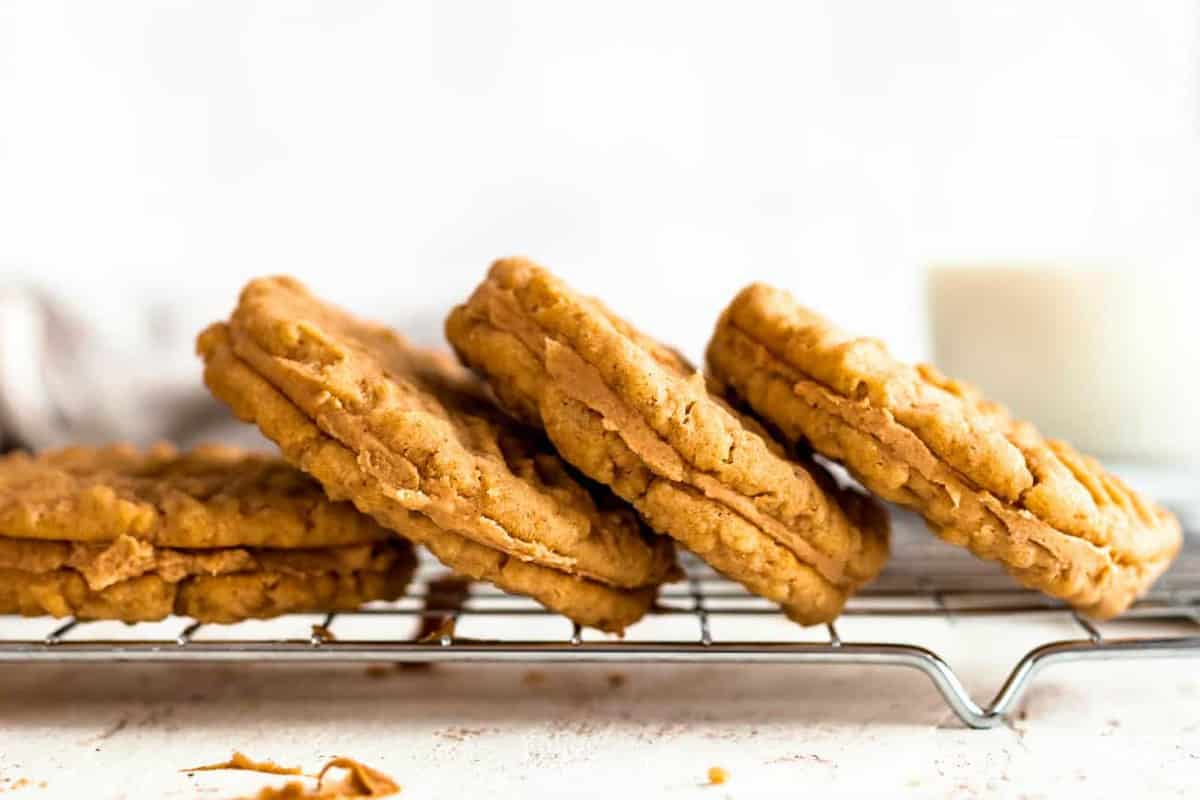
(633, 415)
(215, 534)
(1053, 517)
(411, 439)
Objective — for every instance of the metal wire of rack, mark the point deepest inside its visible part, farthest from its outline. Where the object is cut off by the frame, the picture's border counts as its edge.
(930, 581)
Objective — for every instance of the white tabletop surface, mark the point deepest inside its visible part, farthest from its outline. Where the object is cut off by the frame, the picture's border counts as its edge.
(1114, 729)
(1130, 730)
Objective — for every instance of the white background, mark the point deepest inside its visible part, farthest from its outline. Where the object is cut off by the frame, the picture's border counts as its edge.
(658, 154)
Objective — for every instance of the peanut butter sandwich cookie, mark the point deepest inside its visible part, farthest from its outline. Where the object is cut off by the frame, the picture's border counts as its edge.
(633, 415)
(214, 533)
(411, 439)
(1054, 518)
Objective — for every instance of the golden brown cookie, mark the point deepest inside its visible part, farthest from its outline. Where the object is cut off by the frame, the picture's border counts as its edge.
(134, 581)
(414, 443)
(210, 497)
(219, 598)
(215, 533)
(104, 564)
(633, 415)
(1054, 518)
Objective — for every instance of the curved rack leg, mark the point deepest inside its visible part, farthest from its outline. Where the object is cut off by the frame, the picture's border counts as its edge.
(946, 681)
(1085, 650)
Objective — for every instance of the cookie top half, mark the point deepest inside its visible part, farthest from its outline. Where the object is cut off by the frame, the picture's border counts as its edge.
(422, 428)
(1055, 518)
(209, 497)
(632, 414)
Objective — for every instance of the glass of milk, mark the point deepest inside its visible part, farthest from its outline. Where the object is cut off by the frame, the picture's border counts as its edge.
(1107, 359)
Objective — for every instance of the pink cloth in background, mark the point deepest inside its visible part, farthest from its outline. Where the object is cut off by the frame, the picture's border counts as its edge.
(93, 369)
(92, 363)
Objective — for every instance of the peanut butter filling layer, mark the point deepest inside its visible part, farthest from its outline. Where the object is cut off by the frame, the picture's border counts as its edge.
(223, 599)
(104, 564)
(582, 382)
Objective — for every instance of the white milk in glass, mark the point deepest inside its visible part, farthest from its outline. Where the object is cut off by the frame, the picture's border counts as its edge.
(1107, 359)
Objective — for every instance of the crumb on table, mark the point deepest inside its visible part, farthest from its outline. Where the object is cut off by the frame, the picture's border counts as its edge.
(717, 776)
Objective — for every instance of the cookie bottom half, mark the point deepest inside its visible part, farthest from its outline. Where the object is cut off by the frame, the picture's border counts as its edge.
(206, 598)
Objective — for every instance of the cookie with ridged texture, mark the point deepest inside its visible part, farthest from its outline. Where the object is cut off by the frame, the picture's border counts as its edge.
(421, 425)
(350, 474)
(632, 414)
(210, 599)
(103, 564)
(133, 581)
(1054, 518)
(211, 496)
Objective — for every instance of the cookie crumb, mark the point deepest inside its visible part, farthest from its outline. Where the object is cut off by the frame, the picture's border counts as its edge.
(323, 633)
(616, 680)
(533, 678)
(717, 776)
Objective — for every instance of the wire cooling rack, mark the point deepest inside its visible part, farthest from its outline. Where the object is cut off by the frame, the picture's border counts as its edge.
(703, 619)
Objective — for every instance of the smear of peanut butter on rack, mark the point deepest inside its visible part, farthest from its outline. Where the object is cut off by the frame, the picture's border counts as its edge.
(360, 783)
